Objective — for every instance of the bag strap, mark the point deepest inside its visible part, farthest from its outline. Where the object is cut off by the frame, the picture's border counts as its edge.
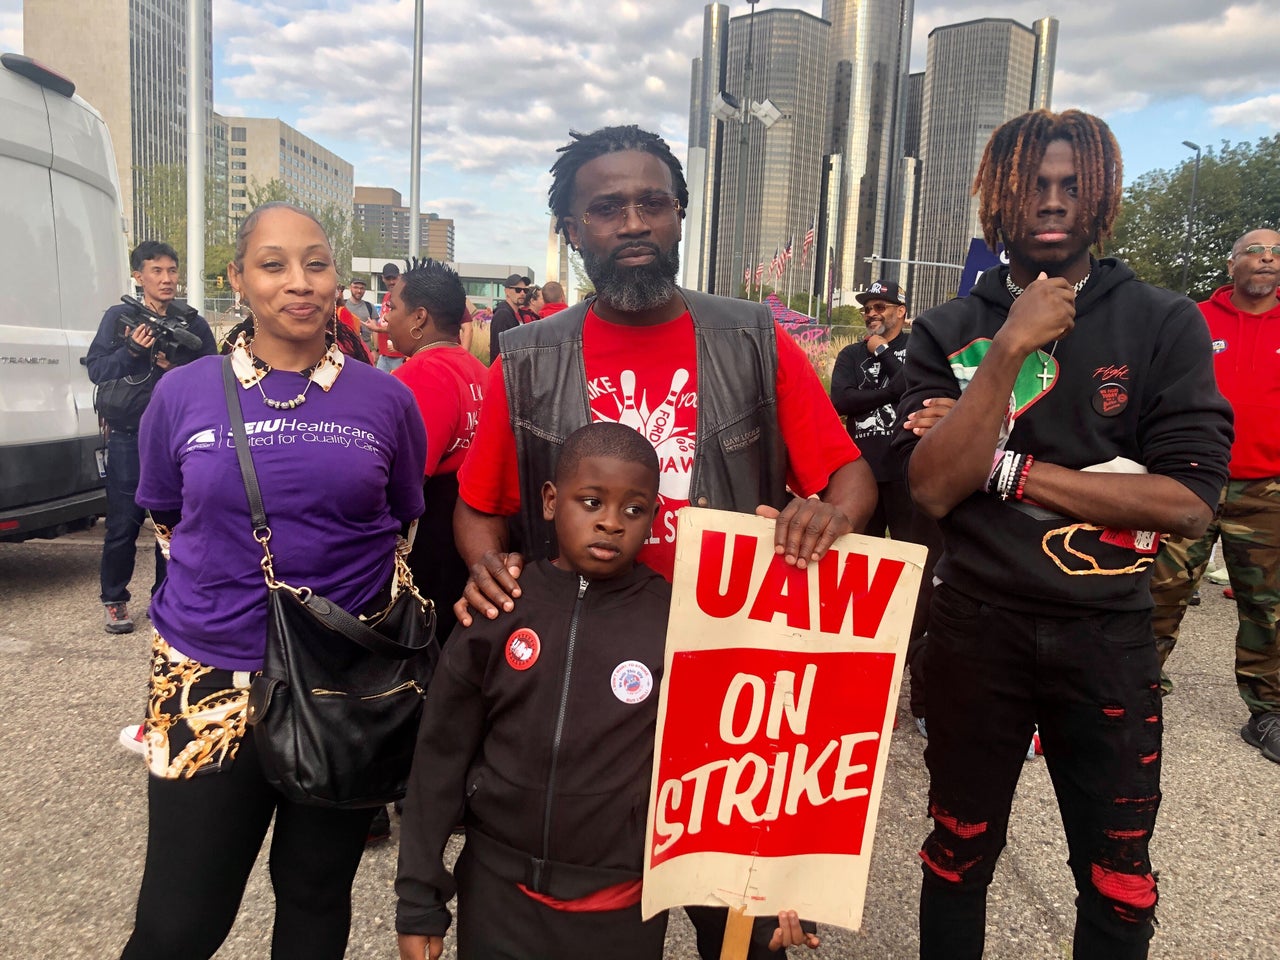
(247, 473)
(353, 628)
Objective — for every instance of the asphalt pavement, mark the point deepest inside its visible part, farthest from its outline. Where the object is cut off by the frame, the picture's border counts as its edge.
(74, 803)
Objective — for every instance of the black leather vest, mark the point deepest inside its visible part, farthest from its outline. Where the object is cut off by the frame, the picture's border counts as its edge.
(739, 458)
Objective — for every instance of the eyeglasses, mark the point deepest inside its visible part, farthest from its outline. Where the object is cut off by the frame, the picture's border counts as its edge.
(608, 215)
(1257, 249)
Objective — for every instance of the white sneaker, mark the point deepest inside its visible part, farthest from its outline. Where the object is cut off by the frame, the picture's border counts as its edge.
(131, 739)
(1219, 576)
(922, 726)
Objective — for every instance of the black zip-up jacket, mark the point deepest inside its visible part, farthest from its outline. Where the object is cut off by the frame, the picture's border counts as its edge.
(548, 767)
(109, 356)
(1133, 380)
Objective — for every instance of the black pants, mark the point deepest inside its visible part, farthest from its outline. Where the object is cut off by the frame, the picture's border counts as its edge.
(203, 837)
(438, 570)
(897, 513)
(1092, 684)
(497, 921)
(124, 519)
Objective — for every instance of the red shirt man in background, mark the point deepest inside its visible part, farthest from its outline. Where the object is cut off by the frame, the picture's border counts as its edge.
(1244, 322)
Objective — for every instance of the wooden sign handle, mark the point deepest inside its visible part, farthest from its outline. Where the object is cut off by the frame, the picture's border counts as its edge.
(737, 934)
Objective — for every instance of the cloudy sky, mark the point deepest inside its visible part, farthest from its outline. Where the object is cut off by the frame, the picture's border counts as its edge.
(504, 80)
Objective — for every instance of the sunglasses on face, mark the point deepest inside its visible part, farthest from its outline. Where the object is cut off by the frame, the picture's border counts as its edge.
(1257, 249)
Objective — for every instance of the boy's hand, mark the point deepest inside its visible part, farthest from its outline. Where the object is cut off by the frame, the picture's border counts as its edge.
(416, 947)
(492, 581)
(789, 933)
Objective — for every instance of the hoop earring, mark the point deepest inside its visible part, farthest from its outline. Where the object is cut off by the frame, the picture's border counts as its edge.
(416, 333)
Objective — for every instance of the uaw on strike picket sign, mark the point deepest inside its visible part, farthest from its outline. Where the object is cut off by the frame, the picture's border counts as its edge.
(774, 719)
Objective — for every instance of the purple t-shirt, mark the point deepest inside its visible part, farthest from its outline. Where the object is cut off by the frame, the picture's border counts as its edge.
(338, 476)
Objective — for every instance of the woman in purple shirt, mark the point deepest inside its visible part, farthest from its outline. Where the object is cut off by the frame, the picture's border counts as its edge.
(339, 450)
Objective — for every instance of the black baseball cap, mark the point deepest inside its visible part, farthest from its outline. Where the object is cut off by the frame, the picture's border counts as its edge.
(885, 290)
(515, 280)
(390, 270)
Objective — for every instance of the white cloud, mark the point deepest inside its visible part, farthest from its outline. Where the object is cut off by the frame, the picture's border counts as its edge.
(504, 81)
(1264, 110)
(10, 27)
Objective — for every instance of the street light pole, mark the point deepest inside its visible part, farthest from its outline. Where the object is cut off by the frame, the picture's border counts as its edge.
(1191, 215)
(415, 159)
(738, 256)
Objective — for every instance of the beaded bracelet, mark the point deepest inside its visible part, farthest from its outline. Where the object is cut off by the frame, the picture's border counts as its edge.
(1021, 487)
(1008, 473)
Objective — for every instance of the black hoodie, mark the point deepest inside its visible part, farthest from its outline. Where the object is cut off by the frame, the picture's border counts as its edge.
(1133, 380)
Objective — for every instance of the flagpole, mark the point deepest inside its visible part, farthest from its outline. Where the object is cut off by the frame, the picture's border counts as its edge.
(813, 230)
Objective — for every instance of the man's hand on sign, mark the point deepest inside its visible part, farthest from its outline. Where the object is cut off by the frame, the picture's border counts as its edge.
(416, 947)
(920, 421)
(790, 934)
(492, 585)
(805, 529)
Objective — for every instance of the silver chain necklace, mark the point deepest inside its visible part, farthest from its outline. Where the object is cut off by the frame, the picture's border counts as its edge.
(297, 401)
(1044, 376)
(1018, 291)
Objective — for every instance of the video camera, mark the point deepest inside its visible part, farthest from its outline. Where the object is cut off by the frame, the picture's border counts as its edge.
(171, 332)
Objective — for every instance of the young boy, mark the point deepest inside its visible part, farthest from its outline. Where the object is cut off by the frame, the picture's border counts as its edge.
(538, 736)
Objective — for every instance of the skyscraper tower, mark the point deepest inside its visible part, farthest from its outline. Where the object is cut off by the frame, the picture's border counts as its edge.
(870, 57)
(703, 166)
(1046, 30)
(789, 67)
(978, 75)
(132, 67)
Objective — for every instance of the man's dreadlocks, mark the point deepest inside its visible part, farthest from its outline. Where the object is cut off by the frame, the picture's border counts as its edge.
(587, 146)
(1012, 161)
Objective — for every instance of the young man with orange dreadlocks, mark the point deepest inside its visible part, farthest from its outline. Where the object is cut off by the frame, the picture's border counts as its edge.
(1085, 424)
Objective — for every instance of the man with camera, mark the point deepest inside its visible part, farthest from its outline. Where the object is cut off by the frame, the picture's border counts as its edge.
(136, 342)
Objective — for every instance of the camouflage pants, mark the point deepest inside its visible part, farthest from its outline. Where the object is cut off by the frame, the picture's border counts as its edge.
(1248, 521)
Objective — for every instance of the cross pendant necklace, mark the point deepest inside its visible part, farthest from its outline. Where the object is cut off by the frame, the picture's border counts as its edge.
(1045, 376)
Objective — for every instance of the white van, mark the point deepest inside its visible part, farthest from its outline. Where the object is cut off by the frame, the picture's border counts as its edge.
(63, 249)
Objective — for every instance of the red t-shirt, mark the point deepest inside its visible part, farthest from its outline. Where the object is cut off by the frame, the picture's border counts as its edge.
(384, 342)
(646, 377)
(448, 383)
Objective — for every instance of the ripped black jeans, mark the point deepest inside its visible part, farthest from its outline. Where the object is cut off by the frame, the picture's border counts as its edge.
(1092, 685)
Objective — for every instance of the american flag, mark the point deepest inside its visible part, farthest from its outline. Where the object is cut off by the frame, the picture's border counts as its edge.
(746, 277)
(777, 265)
(759, 272)
(808, 242)
(786, 253)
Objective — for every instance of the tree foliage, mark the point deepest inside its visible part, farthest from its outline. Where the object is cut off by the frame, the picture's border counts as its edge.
(162, 195)
(162, 190)
(1237, 190)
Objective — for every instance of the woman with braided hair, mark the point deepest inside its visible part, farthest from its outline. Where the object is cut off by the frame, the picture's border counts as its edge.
(1086, 422)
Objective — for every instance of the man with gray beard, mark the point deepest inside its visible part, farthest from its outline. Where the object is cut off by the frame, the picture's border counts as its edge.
(730, 403)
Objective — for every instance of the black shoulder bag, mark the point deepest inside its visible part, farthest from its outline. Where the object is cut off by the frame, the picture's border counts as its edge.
(335, 710)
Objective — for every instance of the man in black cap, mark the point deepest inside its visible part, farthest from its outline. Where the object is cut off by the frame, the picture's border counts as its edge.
(506, 315)
(866, 385)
